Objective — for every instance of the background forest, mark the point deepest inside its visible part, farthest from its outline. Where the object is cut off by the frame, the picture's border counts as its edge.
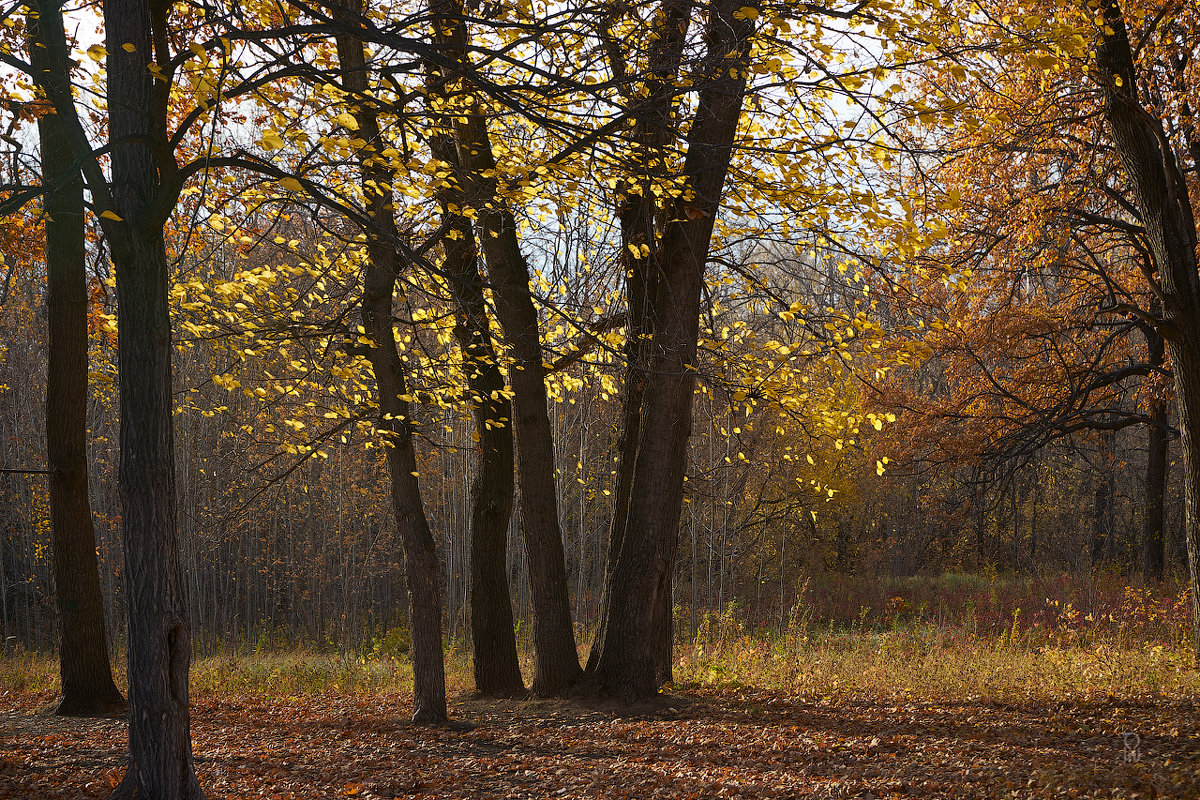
(281, 552)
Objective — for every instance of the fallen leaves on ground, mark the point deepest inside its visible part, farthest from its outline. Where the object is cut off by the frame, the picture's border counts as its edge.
(707, 744)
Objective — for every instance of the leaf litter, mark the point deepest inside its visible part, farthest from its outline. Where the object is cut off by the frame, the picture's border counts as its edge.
(706, 743)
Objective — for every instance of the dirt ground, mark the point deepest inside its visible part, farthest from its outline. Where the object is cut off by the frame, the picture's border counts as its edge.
(702, 744)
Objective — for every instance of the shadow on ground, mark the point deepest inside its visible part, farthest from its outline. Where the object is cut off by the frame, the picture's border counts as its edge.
(701, 744)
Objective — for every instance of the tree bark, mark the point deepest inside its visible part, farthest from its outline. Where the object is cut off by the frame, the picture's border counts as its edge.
(1161, 195)
(395, 420)
(1100, 532)
(160, 746)
(556, 657)
(639, 215)
(496, 667)
(1157, 466)
(87, 683)
(628, 664)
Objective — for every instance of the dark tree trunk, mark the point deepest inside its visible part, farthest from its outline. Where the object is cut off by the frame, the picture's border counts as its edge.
(87, 683)
(655, 128)
(493, 638)
(395, 420)
(1100, 532)
(628, 664)
(160, 747)
(1157, 461)
(556, 657)
(136, 203)
(1161, 195)
(663, 639)
(1157, 465)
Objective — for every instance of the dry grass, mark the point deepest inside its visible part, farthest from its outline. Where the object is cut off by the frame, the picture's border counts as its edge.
(922, 663)
(944, 639)
(293, 674)
(958, 637)
(939, 665)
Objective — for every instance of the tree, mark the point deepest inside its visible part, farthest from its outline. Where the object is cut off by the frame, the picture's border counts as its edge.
(630, 660)
(1132, 171)
(395, 417)
(133, 206)
(1161, 193)
(493, 642)
(1032, 257)
(555, 655)
(87, 683)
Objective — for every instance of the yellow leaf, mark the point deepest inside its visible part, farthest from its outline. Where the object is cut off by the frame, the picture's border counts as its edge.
(129, 48)
(746, 13)
(271, 140)
(96, 52)
(111, 215)
(291, 184)
(347, 121)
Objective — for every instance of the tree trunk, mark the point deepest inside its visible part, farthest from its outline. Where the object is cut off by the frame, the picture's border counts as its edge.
(628, 664)
(87, 683)
(556, 657)
(493, 639)
(136, 204)
(555, 653)
(1161, 195)
(1102, 501)
(1157, 466)
(160, 747)
(395, 420)
(654, 129)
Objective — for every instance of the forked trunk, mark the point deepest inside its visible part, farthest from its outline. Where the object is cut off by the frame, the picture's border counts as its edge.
(160, 745)
(556, 659)
(496, 668)
(630, 660)
(641, 217)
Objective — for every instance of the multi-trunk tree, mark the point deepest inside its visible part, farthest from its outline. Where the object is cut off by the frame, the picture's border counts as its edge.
(632, 658)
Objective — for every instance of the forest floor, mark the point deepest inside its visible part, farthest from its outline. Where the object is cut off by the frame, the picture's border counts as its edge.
(959, 687)
(702, 742)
